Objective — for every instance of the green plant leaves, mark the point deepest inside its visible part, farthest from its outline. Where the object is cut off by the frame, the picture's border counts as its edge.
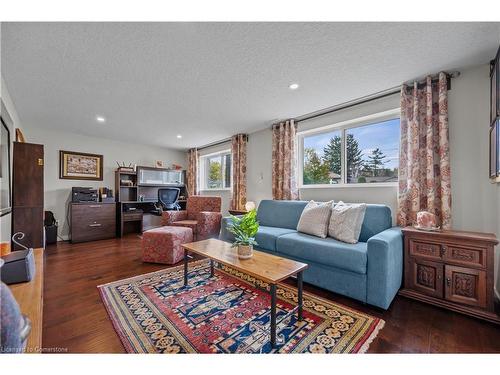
(244, 228)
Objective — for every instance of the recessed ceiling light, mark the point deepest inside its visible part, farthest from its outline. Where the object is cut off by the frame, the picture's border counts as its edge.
(179, 136)
(293, 86)
(100, 119)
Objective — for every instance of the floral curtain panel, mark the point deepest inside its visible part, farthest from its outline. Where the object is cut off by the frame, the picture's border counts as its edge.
(192, 172)
(284, 161)
(424, 161)
(239, 169)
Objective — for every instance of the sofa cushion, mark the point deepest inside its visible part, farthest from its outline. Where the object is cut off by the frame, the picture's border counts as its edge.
(314, 219)
(328, 251)
(266, 236)
(345, 221)
(281, 214)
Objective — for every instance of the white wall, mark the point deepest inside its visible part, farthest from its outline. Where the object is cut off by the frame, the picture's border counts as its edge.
(5, 221)
(475, 200)
(259, 166)
(58, 191)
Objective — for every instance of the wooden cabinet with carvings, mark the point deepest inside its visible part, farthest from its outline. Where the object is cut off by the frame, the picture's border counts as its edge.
(451, 269)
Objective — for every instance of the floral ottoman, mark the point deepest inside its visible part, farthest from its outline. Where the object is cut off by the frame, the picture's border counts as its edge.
(163, 245)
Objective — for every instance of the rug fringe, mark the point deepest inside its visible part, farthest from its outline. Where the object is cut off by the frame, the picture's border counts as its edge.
(373, 335)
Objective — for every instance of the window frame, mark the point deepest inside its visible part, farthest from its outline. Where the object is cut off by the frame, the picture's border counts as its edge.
(203, 170)
(343, 126)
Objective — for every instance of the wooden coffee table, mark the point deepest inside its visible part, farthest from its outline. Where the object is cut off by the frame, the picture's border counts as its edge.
(266, 267)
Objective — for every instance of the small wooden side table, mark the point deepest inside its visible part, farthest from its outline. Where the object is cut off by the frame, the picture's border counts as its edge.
(451, 269)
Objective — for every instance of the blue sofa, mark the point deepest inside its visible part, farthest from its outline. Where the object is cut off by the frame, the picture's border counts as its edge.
(369, 271)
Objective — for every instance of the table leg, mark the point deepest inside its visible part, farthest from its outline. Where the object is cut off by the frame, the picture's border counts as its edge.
(185, 267)
(273, 315)
(211, 268)
(299, 292)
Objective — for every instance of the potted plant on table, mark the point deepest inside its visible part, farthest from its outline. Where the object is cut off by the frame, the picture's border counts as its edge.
(244, 229)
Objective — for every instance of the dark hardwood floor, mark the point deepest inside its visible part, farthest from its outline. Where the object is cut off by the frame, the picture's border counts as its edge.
(75, 318)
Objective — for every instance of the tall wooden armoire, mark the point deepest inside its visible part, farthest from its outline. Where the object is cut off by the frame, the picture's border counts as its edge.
(27, 193)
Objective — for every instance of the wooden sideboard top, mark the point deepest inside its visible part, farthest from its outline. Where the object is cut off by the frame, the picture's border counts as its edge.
(29, 296)
(458, 234)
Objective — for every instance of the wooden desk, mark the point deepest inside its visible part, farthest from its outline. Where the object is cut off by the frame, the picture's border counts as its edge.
(29, 296)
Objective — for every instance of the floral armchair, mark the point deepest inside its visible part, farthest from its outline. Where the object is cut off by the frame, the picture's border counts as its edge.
(203, 215)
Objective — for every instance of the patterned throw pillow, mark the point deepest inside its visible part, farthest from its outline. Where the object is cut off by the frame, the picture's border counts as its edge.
(345, 221)
(314, 219)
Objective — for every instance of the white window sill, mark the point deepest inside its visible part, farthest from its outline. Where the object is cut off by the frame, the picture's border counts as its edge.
(214, 190)
(344, 186)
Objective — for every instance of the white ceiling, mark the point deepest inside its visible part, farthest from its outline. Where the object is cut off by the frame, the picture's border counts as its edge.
(208, 81)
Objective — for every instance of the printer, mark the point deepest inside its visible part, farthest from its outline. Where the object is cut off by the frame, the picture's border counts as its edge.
(84, 194)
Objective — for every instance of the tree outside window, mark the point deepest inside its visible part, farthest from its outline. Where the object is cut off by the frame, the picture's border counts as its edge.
(371, 155)
(216, 171)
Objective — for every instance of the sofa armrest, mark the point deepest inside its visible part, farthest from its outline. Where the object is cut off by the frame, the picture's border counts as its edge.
(208, 224)
(168, 217)
(385, 267)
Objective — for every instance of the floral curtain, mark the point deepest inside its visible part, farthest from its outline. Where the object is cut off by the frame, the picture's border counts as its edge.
(192, 172)
(284, 161)
(424, 157)
(239, 169)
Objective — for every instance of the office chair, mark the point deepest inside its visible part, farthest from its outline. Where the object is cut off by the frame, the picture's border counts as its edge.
(168, 198)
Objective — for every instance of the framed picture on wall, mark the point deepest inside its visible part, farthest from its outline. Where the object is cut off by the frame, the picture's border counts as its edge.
(497, 82)
(80, 166)
(497, 136)
(495, 118)
(493, 152)
(494, 92)
(5, 197)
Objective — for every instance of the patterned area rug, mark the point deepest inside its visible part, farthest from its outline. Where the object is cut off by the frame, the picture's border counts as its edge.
(228, 313)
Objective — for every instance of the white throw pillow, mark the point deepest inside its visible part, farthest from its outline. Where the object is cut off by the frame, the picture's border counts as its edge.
(314, 219)
(345, 221)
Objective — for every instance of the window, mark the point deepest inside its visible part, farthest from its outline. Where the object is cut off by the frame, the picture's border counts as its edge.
(215, 171)
(359, 151)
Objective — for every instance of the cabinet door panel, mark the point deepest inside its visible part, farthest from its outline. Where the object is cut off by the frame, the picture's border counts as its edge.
(465, 285)
(27, 175)
(28, 220)
(426, 277)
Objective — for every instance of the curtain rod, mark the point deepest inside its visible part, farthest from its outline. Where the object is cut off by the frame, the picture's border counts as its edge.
(217, 143)
(369, 98)
(350, 103)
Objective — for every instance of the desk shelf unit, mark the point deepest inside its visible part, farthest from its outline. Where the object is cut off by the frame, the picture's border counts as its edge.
(136, 202)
